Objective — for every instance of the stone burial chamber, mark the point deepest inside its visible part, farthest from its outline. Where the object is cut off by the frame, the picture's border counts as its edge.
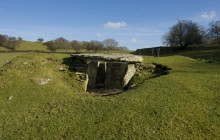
(108, 71)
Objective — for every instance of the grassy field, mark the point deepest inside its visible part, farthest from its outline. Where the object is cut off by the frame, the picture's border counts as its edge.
(184, 104)
(3, 49)
(6, 57)
(28, 45)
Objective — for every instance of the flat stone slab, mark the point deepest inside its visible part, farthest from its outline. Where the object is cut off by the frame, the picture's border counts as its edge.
(114, 57)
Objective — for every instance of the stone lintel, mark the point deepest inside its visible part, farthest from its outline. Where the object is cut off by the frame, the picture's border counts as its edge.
(112, 57)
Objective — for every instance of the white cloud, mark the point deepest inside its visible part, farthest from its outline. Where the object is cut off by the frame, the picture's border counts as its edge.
(134, 40)
(115, 25)
(98, 35)
(208, 15)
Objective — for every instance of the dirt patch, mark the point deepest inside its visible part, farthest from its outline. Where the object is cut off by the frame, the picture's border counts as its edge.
(41, 81)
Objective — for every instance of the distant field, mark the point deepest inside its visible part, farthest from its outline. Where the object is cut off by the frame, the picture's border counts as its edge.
(184, 104)
(28, 45)
(37, 46)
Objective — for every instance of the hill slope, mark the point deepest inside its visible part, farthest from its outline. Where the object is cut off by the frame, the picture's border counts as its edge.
(28, 45)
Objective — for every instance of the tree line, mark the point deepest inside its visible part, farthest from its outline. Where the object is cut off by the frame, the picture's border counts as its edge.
(183, 34)
(78, 46)
(188, 33)
(9, 42)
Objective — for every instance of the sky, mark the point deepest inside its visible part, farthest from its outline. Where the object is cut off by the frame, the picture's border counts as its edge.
(133, 23)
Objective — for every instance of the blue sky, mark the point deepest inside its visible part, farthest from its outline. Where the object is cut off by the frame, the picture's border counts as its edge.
(133, 23)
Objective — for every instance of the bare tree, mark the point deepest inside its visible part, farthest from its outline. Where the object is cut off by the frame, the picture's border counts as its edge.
(110, 44)
(184, 33)
(61, 43)
(124, 48)
(3, 40)
(214, 31)
(96, 45)
(9, 42)
(76, 45)
(50, 46)
(12, 43)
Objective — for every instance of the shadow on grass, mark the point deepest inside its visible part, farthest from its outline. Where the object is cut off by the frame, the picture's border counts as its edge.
(75, 65)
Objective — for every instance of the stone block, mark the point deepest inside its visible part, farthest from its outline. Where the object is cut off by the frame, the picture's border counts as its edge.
(115, 74)
(131, 70)
(92, 73)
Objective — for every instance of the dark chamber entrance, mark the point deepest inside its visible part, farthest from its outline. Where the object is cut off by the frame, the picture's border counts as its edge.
(108, 75)
(101, 74)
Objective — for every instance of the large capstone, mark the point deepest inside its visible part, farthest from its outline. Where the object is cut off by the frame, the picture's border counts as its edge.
(113, 57)
(109, 71)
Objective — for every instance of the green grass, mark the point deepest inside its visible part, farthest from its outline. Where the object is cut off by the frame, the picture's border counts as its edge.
(200, 53)
(6, 57)
(28, 45)
(3, 48)
(184, 104)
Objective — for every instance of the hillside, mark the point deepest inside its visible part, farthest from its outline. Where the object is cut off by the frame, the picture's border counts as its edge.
(3, 48)
(181, 105)
(28, 45)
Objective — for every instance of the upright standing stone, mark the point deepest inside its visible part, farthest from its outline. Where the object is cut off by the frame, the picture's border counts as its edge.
(131, 70)
(115, 74)
(92, 72)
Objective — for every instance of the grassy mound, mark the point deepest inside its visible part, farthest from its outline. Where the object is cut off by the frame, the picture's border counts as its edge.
(184, 104)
